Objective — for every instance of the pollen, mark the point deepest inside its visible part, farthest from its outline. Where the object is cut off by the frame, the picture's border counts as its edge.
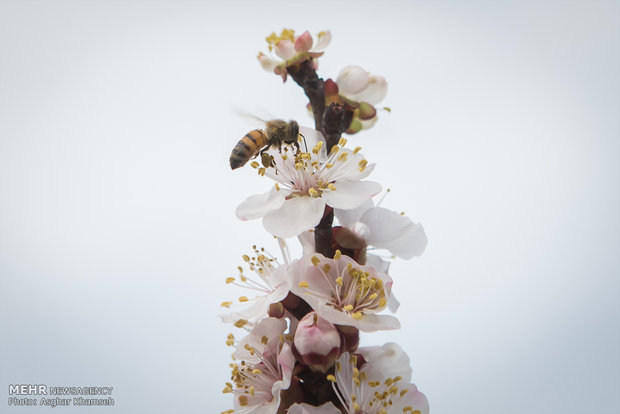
(331, 187)
(243, 299)
(326, 268)
(334, 150)
(343, 156)
(261, 171)
(304, 284)
(363, 164)
(315, 260)
(257, 371)
(255, 164)
(243, 401)
(240, 323)
(331, 378)
(317, 147)
(337, 254)
(226, 304)
(342, 142)
(277, 187)
(357, 315)
(348, 308)
(313, 193)
(329, 165)
(339, 281)
(357, 149)
(229, 280)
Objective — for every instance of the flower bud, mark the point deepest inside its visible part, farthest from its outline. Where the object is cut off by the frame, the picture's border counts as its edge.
(317, 342)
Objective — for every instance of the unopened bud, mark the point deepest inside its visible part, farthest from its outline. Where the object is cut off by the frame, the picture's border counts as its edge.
(317, 342)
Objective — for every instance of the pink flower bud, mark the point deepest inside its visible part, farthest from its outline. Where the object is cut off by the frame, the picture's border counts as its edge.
(304, 42)
(317, 342)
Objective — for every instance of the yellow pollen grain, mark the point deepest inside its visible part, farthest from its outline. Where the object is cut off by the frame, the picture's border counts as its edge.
(254, 164)
(343, 157)
(305, 156)
(357, 149)
(246, 257)
(382, 302)
(230, 280)
(342, 142)
(334, 150)
(338, 255)
(339, 281)
(329, 165)
(315, 260)
(243, 299)
(252, 390)
(331, 187)
(257, 371)
(243, 400)
(317, 147)
(312, 192)
(264, 340)
(231, 411)
(331, 378)
(240, 323)
(261, 171)
(226, 304)
(303, 284)
(299, 166)
(326, 268)
(357, 315)
(347, 308)
(403, 392)
(277, 187)
(373, 296)
(363, 163)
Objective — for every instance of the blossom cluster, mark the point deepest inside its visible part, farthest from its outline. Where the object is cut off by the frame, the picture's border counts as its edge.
(300, 353)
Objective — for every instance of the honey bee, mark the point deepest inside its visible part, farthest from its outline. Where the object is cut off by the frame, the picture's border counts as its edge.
(276, 133)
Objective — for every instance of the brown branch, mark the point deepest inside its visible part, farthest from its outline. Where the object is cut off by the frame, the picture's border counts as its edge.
(331, 121)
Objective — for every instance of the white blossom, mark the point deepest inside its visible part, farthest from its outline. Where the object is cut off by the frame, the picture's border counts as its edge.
(381, 386)
(265, 369)
(287, 49)
(343, 292)
(272, 286)
(305, 183)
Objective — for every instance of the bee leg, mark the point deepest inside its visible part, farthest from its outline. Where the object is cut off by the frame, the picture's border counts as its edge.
(304, 138)
(266, 159)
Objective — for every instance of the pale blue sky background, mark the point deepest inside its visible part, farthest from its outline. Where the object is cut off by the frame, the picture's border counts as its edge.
(116, 200)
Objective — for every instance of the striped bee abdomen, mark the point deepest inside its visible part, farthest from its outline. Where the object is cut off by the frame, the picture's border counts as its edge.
(247, 147)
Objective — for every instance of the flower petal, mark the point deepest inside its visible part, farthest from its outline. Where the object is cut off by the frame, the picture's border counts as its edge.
(374, 92)
(266, 62)
(327, 408)
(349, 217)
(296, 215)
(351, 194)
(285, 49)
(388, 360)
(394, 232)
(352, 80)
(306, 239)
(304, 42)
(323, 40)
(257, 206)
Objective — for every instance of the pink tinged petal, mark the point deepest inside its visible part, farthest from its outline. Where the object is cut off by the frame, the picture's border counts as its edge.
(327, 408)
(349, 217)
(323, 40)
(286, 359)
(412, 398)
(393, 303)
(257, 206)
(382, 266)
(388, 360)
(351, 194)
(306, 239)
(304, 42)
(295, 216)
(394, 232)
(374, 92)
(285, 49)
(311, 138)
(351, 81)
(266, 62)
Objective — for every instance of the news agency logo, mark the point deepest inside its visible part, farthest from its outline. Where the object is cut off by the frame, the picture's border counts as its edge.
(73, 392)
